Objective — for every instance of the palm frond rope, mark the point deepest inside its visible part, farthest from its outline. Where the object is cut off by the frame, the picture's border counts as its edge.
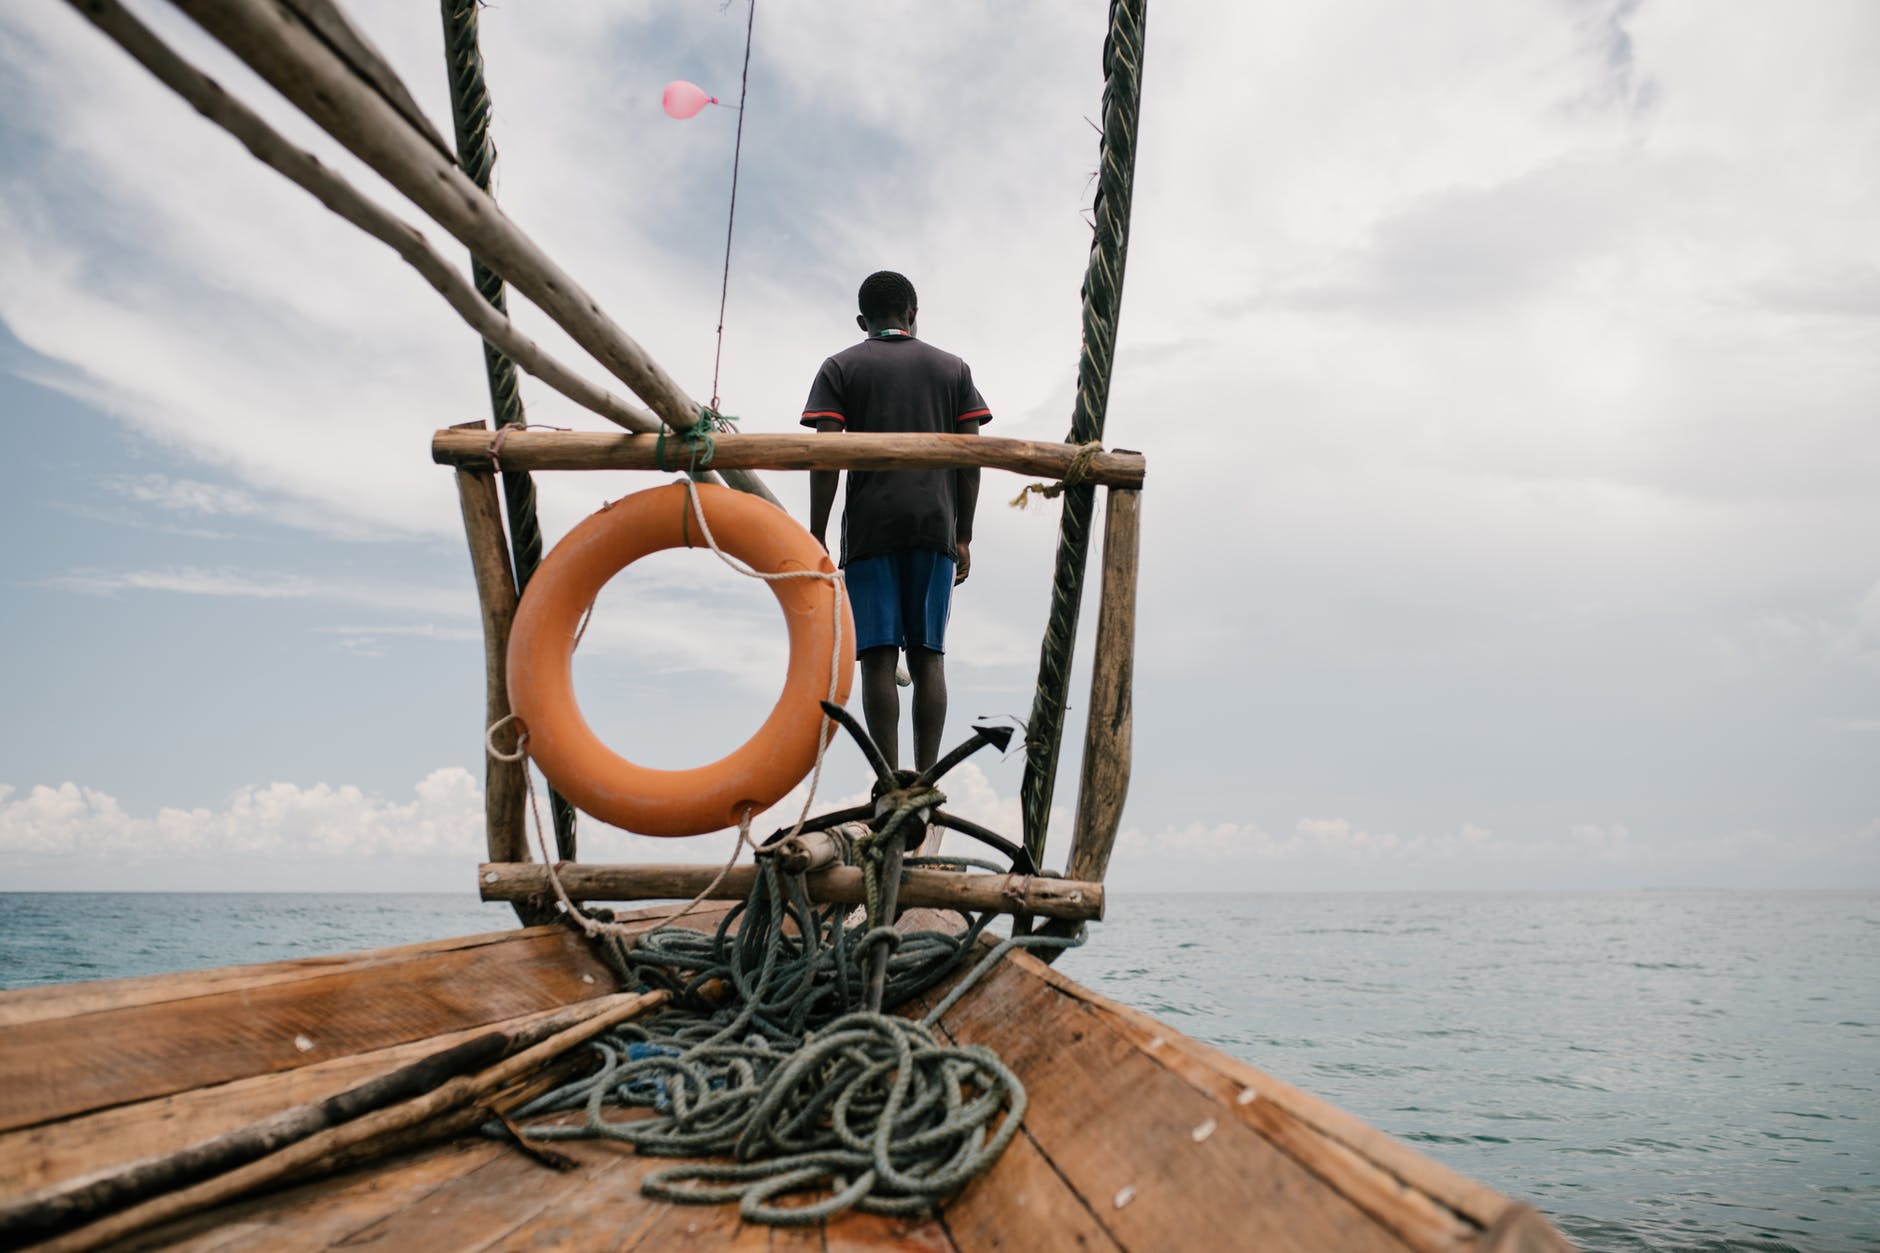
(476, 153)
(1102, 304)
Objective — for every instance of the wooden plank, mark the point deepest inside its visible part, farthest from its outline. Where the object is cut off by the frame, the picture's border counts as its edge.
(1109, 733)
(606, 1212)
(368, 1137)
(57, 1068)
(931, 889)
(809, 450)
(1477, 1202)
(798, 1240)
(68, 1000)
(1150, 1153)
(479, 1210)
(681, 1228)
(325, 1212)
(1414, 1215)
(50, 1153)
(854, 1233)
(505, 786)
(1022, 1204)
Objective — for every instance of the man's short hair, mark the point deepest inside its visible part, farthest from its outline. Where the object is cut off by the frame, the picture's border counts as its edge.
(884, 294)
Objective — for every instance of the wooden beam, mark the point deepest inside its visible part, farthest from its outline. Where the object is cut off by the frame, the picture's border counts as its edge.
(206, 1030)
(326, 1149)
(602, 450)
(75, 1201)
(504, 787)
(330, 189)
(935, 889)
(300, 64)
(1109, 735)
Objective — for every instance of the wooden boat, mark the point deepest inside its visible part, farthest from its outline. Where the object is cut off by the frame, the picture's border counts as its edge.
(340, 1101)
(1136, 1138)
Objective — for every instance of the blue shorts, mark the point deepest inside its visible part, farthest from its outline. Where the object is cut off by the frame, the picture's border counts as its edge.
(901, 599)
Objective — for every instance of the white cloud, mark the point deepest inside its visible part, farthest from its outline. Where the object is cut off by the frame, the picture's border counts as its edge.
(1332, 854)
(184, 495)
(444, 817)
(191, 581)
(78, 831)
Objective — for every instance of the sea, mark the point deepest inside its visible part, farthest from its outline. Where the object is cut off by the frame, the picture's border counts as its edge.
(1681, 1071)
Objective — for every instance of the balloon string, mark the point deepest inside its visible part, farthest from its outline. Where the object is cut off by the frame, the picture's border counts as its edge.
(737, 152)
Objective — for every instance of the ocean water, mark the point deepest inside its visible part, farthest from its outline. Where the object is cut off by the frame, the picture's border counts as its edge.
(1654, 1071)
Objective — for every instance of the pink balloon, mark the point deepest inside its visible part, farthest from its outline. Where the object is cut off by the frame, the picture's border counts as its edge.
(683, 99)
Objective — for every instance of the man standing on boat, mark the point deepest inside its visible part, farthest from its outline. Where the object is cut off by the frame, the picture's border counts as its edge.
(906, 534)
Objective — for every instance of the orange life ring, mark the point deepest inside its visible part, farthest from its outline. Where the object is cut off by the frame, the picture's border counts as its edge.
(541, 657)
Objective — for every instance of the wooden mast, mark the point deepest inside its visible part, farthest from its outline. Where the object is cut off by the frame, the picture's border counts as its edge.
(504, 785)
(1110, 733)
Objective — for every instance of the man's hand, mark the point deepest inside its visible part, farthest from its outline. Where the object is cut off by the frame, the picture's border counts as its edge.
(963, 563)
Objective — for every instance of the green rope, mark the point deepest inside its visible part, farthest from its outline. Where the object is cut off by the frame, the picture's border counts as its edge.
(700, 446)
(870, 851)
(476, 153)
(810, 1097)
(700, 449)
(1102, 297)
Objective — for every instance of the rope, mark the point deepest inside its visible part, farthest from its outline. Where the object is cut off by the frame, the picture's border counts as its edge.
(1102, 299)
(1075, 473)
(737, 152)
(476, 153)
(808, 1096)
(700, 445)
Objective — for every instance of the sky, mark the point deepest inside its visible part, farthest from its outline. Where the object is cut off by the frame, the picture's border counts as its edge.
(1507, 375)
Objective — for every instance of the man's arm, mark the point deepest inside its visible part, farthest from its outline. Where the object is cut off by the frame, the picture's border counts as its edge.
(822, 488)
(966, 497)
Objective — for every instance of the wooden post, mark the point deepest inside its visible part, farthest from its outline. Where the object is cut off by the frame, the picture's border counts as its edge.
(597, 450)
(920, 889)
(504, 786)
(1110, 734)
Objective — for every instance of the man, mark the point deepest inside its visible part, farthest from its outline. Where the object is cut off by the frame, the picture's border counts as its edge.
(906, 534)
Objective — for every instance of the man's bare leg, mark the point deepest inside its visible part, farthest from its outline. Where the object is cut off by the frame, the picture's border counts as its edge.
(928, 669)
(881, 703)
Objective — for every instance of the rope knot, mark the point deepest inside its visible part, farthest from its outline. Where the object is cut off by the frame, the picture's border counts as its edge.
(1077, 472)
(699, 444)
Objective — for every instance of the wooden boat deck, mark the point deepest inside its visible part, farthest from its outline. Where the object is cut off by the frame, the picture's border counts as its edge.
(1137, 1137)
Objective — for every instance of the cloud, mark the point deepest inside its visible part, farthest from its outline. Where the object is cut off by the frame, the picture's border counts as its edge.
(83, 829)
(185, 496)
(1332, 854)
(444, 817)
(66, 835)
(191, 581)
(216, 582)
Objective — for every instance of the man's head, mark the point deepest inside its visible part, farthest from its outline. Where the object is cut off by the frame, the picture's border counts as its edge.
(887, 302)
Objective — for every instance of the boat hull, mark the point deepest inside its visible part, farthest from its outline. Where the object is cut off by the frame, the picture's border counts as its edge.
(1136, 1137)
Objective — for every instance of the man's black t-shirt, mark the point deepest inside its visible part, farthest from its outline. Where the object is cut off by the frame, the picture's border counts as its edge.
(896, 383)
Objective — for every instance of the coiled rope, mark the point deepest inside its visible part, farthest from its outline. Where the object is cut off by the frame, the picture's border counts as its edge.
(809, 1093)
(1102, 299)
(813, 1100)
